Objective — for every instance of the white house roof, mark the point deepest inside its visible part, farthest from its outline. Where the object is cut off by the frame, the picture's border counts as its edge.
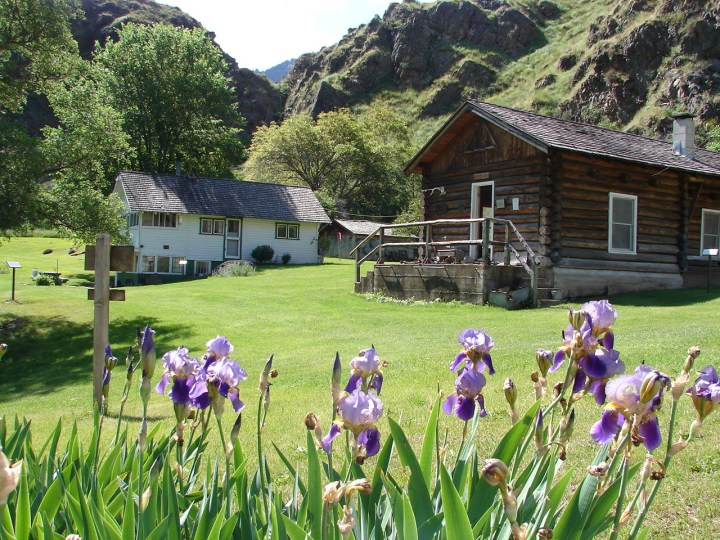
(147, 192)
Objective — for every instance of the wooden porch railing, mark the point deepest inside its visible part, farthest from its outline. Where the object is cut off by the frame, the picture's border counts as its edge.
(511, 235)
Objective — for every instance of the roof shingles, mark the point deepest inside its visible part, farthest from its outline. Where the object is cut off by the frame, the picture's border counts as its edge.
(220, 197)
(585, 138)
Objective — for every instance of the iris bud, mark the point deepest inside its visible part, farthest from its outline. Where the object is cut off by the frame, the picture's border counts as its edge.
(147, 352)
(495, 472)
(693, 353)
(576, 318)
(510, 392)
(544, 360)
(651, 385)
(567, 425)
(3, 349)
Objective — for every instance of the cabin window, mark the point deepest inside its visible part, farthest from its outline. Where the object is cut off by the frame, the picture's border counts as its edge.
(287, 231)
(212, 226)
(622, 223)
(710, 232)
(133, 219)
(163, 265)
(159, 219)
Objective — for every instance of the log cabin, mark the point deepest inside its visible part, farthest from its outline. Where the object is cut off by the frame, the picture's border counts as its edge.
(601, 211)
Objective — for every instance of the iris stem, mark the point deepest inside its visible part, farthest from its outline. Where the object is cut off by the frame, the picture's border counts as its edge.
(621, 498)
(226, 480)
(666, 463)
(261, 469)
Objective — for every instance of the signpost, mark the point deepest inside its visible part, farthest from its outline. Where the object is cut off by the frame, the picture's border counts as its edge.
(710, 253)
(102, 258)
(14, 265)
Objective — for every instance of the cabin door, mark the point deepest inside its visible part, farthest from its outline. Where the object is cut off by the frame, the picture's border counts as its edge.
(482, 205)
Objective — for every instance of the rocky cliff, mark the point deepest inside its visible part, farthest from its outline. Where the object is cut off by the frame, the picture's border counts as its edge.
(625, 64)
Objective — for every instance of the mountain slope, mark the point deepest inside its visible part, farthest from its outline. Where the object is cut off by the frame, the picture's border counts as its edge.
(623, 64)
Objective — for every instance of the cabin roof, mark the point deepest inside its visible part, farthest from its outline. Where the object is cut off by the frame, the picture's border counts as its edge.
(545, 132)
(147, 192)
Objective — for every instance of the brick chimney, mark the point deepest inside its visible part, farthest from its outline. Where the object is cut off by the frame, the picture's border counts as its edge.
(684, 135)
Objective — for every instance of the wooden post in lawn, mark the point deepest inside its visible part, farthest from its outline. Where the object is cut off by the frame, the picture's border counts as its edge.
(101, 321)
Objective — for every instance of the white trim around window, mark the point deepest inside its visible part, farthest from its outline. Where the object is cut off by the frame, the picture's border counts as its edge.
(709, 230)
(622, 223)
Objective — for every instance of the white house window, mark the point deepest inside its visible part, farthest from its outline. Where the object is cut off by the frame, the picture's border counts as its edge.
(163, 265)
(710, 232)
(212, 226)
(287, 231)
(159, 219)
(133, 219)
(176, 267)
(622, 221)
(202, 268)
(148, 263)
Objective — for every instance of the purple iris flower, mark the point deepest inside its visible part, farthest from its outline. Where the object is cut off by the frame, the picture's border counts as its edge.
(219, 378)
(705, 393)
(179, 368)
(603, 315)
(359, 411)
(476, 350)
(468, 391)
(219, 347)
(365, 367)
(625, 401)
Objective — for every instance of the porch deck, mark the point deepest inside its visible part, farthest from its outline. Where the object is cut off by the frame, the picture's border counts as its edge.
(506, 264)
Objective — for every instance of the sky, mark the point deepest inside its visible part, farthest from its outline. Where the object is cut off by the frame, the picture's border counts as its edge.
(260, 34)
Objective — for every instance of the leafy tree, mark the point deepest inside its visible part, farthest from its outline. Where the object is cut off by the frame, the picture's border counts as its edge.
(36, 49)
(175, 100)
(353, 162)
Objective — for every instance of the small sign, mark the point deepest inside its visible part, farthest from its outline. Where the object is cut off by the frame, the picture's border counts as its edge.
(710, 252)
(13, 264)
(122, 258)
(116, 295)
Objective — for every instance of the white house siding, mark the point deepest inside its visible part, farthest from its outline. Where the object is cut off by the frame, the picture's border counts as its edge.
(257, 232)
(184, 241)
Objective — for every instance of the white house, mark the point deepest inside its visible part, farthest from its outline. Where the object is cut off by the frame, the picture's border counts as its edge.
(183, 225)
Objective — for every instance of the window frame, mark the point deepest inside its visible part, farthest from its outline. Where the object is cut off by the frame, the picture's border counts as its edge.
(626, 197)
(703, 232)
(216, 226)
(160, 220)
(288, 227)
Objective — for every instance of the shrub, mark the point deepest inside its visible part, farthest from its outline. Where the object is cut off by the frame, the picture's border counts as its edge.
(235, 269)
(44, 281)
(263, 253)
(285, 258)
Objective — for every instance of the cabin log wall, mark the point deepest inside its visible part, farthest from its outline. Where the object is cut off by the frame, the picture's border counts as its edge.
(517, 169)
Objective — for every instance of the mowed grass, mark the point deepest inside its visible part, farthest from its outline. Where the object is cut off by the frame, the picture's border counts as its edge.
(304, 315)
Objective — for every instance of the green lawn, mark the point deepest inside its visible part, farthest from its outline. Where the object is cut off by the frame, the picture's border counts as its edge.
(304, 315)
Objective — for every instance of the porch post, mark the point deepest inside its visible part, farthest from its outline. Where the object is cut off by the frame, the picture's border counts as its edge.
(486, 241)
(507, 244)
(381, 255)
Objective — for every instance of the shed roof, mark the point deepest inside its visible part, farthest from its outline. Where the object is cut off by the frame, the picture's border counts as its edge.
(364, 228)
(147, 192)
(545, 132)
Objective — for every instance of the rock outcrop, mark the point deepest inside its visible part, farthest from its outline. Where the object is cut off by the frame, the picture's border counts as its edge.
(413, 46)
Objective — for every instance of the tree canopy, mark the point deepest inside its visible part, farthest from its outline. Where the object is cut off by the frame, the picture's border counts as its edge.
(156, 96)
(353, 162)
(176, 102)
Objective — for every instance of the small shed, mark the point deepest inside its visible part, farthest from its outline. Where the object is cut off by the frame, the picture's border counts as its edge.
(341, 236)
